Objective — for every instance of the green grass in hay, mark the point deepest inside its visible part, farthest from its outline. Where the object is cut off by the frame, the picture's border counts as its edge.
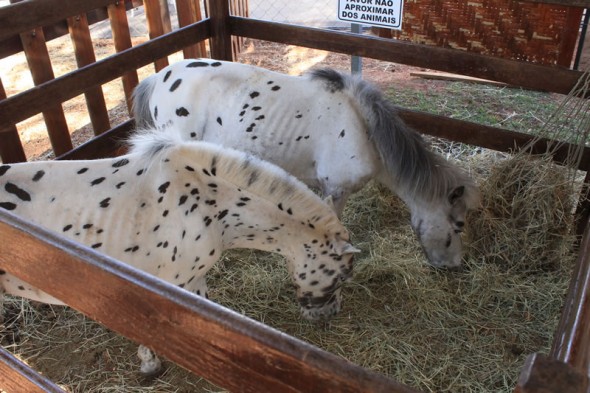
(505, 107)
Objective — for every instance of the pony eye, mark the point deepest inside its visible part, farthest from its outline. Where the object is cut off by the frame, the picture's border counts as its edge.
(460, 224)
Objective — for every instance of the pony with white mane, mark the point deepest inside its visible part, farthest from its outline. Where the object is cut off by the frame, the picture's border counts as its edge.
(331, 130)
(171, 206)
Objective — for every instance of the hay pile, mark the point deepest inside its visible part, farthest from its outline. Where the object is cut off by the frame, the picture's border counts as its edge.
(526, 217)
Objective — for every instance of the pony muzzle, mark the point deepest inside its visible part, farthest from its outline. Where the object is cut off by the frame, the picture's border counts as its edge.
(320, 307)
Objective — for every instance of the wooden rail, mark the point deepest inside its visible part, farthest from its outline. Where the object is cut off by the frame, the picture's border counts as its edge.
(223, 346)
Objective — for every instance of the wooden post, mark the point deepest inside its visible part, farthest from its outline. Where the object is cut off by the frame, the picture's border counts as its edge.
(39, 63)
(11, 148)
(189, 11)
(97, 108)
(542, 374)
(122, 39)
(569, 37)
(221, 48)
(156, 28)
(571, 343)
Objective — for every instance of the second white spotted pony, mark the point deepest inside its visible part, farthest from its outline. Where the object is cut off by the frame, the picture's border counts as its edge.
(331, 130)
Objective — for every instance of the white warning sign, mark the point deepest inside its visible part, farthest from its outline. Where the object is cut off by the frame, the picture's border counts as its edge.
(382, 13)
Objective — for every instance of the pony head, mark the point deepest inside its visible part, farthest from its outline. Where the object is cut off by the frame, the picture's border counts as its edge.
(319, 267)
(439, 225)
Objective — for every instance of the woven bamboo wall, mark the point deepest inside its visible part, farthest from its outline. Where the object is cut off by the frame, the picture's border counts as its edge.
(539, 33)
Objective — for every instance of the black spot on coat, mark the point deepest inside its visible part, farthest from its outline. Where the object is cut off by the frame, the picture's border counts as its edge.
(196, 64)
(182, 112)
(97, 181)
(7, 205)
(105, 203)
(18, 192)
(38, 175)
(121, 163)
(175, 85)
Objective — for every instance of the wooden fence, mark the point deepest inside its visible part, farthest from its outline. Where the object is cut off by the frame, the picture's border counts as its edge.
(266, 360)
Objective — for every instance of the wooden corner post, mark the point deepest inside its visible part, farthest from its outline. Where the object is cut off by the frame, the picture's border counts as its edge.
(220, 30)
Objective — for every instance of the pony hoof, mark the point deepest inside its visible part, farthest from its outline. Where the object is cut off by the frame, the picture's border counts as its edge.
(151, 366)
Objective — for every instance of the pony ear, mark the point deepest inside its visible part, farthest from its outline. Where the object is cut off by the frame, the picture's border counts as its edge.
(456, 194)
(349, 249)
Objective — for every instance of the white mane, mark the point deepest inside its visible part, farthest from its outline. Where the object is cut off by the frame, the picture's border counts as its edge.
(245, 171)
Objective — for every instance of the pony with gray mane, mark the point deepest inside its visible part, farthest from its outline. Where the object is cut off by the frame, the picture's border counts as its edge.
(331, 130)
(171, 206)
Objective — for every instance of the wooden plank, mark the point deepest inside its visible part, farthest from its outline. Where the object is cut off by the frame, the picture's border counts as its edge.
(11, 148)
(107, 144)
(571, 343)
(16, 376)
(16, 18)
(122, 39)
(41, 70)
(542, 374)
(570, 37)
(447, 76)
(517, 73)
(153, 14)
(485, 136)
(226, 348)
(221, 40)
(24, 105)
(84, 51)
(12, 45)
(189, 11)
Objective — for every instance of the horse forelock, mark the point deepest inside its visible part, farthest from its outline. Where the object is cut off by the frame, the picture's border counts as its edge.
(244, 171)
(412, 167)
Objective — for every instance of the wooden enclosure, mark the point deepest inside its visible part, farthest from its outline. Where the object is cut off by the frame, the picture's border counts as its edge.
(264, 360)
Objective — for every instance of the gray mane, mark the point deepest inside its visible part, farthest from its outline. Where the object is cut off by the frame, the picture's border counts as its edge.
(407, 158)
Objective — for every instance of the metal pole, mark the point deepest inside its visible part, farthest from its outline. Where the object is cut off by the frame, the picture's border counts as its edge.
(356, 62)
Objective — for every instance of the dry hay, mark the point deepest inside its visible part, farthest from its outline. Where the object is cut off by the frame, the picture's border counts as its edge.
(526, 218)
(437, 331)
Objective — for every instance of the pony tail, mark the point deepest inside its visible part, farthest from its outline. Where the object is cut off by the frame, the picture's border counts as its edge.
(141, 102)
(148, 143)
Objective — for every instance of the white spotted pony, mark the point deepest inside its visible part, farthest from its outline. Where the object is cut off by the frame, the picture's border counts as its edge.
(171, 206)
(331, 130)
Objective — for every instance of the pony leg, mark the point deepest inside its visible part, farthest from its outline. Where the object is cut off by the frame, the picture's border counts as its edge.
(150, 364)
(200, 287)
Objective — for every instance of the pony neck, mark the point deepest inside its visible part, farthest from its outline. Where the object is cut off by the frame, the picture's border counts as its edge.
(272, 232)
(412, 200)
